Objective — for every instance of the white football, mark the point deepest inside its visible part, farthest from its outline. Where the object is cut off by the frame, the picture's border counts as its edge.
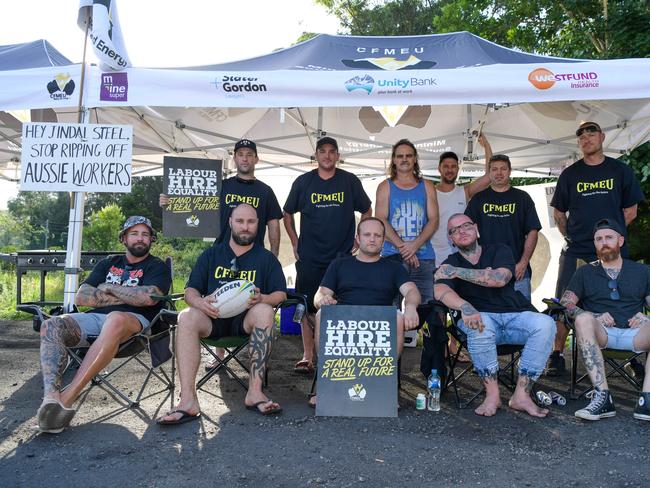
(232, 297)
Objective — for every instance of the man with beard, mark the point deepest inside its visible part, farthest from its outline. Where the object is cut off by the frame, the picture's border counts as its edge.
(479, 282)
(612, 293)
(367, 279)
(406, 204)
(119, 289)
(453, 198)
(238, 258)
(507, 215)
(592, 188)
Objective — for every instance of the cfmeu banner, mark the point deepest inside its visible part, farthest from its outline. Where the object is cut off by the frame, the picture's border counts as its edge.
(105, 34)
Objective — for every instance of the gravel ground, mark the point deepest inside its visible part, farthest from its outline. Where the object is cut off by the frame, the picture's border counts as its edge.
(108, 445)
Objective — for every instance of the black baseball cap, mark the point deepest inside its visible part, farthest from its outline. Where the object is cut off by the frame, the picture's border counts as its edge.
(245, 143)
(327, 140)
(608, 224)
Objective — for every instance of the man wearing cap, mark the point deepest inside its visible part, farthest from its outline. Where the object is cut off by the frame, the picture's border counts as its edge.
(612, 293)
(245, 188)
(326, 198)
(507, 215)
(119, 290)
(592, 188)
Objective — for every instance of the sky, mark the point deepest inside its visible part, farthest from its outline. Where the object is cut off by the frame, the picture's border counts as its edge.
(163, 33)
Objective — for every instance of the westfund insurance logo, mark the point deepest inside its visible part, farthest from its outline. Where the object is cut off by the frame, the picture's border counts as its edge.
(61, 87)
(543, 79)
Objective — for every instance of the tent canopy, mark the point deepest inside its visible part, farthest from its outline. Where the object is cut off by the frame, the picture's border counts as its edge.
(35, 54)
(368, 92)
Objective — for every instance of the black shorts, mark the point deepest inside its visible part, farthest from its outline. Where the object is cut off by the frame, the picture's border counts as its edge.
(308, 279)
(232, 326)
(568, 266)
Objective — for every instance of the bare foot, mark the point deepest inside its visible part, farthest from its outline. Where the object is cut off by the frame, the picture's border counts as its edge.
(524, 403)
(312, 401)
(261, 402)
(489, 407)
(192, 409)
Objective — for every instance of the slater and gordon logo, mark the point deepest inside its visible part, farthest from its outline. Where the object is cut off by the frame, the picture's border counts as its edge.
(543, 79)
(61, 87)
(237, 86)
(114, 87)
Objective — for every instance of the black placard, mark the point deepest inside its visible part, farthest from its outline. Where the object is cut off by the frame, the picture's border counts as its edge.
(193, 187)
(357, 362)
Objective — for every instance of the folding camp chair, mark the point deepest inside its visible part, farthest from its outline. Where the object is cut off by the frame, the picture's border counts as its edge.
(233, 345)
(506, 374)
(615, 359)
(154, 342)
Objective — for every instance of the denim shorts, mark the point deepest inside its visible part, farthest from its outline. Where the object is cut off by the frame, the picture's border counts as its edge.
(622, 339)
(91, 323)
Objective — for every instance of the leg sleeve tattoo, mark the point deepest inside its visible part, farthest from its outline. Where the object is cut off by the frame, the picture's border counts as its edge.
(593, 359)
(526, 382)
(261, 342)
(57, 333)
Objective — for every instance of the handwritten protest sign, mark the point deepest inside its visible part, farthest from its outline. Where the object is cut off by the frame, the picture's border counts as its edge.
(357, 362)
(193, 187)
(76, 157)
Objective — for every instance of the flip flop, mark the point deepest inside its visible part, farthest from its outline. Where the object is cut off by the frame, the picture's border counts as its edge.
(304, 366)
(53, 417)
(185, 417)
(273, 411)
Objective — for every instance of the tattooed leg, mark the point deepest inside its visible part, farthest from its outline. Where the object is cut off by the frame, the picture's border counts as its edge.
(57, 333)
(492, 400)
(590, 336)
(261, 341)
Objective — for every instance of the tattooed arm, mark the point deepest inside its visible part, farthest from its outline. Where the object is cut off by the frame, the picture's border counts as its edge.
(491, 278)
(471, 317)
(138, 296)
(89, 296)
(570, 302)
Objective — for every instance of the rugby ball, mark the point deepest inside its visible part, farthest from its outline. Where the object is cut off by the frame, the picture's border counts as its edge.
(231, 299)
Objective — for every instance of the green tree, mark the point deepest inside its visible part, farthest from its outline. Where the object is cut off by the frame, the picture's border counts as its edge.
(15, 235)
(46, 214)
(101, 232)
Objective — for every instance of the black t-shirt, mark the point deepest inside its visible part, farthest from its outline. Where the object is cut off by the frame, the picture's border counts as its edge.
(487, 299)
(236, 190)
(504, 217)
(591, 193)
(117, 270)
(326, 214)
(356, 282)
(590, 284)
(215, 267)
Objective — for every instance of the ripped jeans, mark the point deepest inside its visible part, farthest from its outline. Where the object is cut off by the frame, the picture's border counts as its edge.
(534, 330)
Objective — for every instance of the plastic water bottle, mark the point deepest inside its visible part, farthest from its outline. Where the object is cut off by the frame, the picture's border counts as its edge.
(433, 390)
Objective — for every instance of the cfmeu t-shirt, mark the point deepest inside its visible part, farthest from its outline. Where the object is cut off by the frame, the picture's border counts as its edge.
(504, 299)
(357, 282)
(591, 193)
(117, 270)
(218, 265)
(504, 218)
(326, 214)
(259, 195)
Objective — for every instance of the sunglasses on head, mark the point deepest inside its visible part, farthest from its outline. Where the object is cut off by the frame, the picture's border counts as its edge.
(590, 129)
(234, 266)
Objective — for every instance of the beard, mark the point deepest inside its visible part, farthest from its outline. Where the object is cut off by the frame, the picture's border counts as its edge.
(608, 254)
(243, 239)
(139, 250)
(448, 181)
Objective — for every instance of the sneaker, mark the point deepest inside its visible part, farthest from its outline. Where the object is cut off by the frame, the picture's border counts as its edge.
(556, 365)
(642, 410)
(600, 407)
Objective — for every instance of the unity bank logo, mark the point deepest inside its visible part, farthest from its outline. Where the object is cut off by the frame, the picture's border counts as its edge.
(543, 79)
(61, 87)
(365, 82)
(357, 393)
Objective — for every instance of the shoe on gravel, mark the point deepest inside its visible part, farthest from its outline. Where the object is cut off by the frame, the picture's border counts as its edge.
(642, 410)
(600, 407)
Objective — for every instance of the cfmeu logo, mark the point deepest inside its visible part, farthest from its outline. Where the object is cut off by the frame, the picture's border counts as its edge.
(365, 83)
(357, 393)
(61, 87)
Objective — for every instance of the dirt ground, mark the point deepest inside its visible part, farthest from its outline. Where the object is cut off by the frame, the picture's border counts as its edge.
(109, 445)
